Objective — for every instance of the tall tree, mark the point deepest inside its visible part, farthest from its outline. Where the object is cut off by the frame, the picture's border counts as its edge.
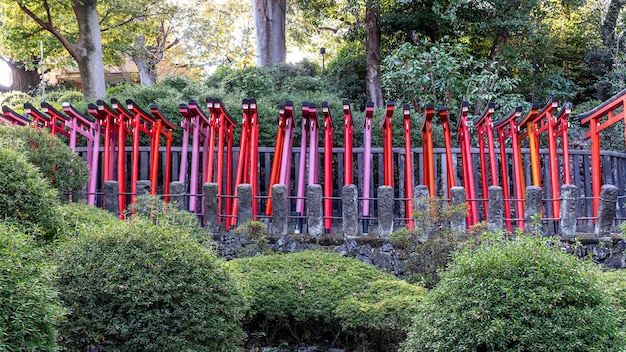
(23, 77)
(85, 48)
(373, 82)
(269, 24)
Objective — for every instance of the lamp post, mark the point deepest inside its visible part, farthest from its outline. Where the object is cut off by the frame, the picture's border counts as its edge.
(323, 52)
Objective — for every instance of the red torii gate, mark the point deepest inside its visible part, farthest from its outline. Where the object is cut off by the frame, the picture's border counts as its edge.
(278, 154)
(602, 117)
(408, 168)
(428, 162)
(386, 125)
(348, 128)
(467, 163)
(450, 174)
(328, 168)
(11, 117)
(223, 125)
(484, 126)
(507, 128)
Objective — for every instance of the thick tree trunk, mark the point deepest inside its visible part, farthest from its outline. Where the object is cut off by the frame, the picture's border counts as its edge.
(22, 80)
(373, 84)
(610, 22)
(269, 26)
(88, 50)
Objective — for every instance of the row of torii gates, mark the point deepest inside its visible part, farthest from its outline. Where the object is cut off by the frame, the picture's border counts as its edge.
(207, 150)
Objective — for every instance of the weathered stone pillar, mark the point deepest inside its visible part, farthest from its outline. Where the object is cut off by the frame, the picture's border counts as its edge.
(314, 206)
(606, 211)
(569, 208)
(350, 211)
(143, 187)
(532, 209)
(495, 210)
(458, 222)
(111, 197)
(422, 206)
(177, 194)
(244, 203)
(210, 204)
(279, 210)
(385, 211)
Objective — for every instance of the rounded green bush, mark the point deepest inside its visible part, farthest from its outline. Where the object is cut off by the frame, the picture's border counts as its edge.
(29, 307)
(25, 195)
(65, 169)
(142, 287)
(519, 295)
(76, 219)
(300, 293)
(381, 312)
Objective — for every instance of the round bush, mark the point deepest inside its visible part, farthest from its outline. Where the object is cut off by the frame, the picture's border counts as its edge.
(76, 219)
(142, 287)
(382, 312)
(25, 195)
(296, 296)
(65, 169)
(29, 306)
(520, 295)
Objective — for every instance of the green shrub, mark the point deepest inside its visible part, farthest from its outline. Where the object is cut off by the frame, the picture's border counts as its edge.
(381, 312)
(296, 296)
(65, 169)
(168, 214)
(76, 219)
(142, 287)
(25, 195)
(519, 295)
(29, 307)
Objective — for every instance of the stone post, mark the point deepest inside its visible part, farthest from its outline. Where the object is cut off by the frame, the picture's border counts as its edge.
(177, 194)
(569, 209)
(606, 212)
(143, 187)
(458, 222)
(315, 219)
(532, 209)
(111, 197)
(422, 207)
(279, 210)
(350, 211)
(244, 203)
(385, 211)
(495, 210)
(210, 204)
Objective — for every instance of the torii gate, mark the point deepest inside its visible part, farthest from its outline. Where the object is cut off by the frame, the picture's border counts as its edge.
(11, 117)
(463, 128)
(602, 117)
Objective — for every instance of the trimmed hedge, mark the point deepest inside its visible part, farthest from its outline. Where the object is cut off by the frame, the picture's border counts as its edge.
(29, 306)
(25, 195)
(299, 296)
(141, 287)
(519, 295)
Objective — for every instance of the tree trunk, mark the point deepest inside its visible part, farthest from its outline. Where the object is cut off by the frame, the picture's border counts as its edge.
(269, 26)
(22, 80)
(88, 50)
(373, 83)
(146, 67)
(610, 22)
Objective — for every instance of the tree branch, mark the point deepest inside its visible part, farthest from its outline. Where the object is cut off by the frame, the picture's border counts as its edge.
(49, 27)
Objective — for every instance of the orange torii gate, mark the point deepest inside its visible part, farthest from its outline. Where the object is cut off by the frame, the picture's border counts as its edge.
(602, 117)
(55, 122)
(348, 128)
(507, 128)
(428, 163)
(483, 125)
(408, 168)
(11, 117)
(329, 128)
(531, 126)
(463, 126)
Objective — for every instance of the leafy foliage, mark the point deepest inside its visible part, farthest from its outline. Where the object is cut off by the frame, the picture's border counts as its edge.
(519, 295)
(25, 195)
(301, 292)
(76, 219)
(149, 288)
(66, 171)
(381, 313)
(29, 306)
